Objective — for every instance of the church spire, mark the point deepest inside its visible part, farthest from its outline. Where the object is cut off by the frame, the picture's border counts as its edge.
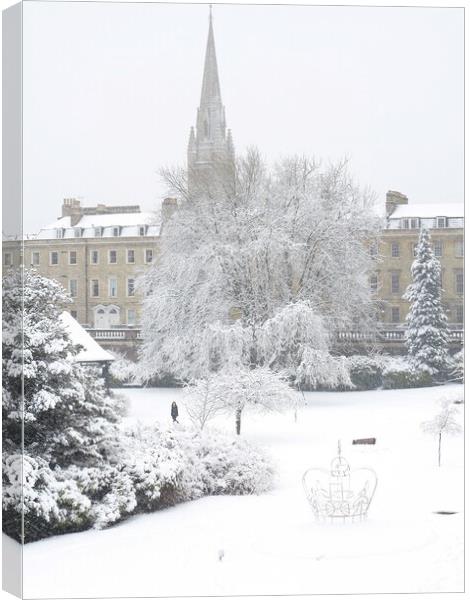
(210, 82)
(209, 144)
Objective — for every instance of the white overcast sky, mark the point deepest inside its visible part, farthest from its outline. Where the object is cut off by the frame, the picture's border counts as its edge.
(111, 90)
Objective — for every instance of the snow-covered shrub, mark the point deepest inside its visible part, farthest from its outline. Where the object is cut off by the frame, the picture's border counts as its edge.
(398, 373)
(168, 466)
(49, 505)
(122, 370)
(457, 367)
(322, 371)
(365, 372)
(233, 467)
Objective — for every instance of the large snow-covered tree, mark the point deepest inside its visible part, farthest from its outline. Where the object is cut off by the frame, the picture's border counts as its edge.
(290, 243)
(56, 413)
(427, 334)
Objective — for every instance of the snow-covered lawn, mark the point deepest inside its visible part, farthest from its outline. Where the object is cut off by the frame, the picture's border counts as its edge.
(271, 543)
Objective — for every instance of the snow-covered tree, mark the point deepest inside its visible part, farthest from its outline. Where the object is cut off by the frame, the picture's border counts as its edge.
(443, 423)
(287, 244)
(234, 390)
(202, 401)
(56, 412)
(427, 334)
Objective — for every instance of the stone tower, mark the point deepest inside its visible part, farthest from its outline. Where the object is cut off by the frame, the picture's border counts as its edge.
(210, 148)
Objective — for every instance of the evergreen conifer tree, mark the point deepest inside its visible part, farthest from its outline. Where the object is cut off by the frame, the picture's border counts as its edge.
(427, 335)
(56, 414)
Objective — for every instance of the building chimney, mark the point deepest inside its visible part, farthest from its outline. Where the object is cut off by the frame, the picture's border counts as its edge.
(393, 199)
(169, 205)
(71, 208)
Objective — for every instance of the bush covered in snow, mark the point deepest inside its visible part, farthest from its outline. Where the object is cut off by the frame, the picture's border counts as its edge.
(365, 371)
(457, 367)
(168, 466)
(398, 373)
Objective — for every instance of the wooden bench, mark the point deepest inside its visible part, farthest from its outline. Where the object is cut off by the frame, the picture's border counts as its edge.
(364, 441)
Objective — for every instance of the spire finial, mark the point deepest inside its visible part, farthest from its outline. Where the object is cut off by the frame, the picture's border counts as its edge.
(210, 13)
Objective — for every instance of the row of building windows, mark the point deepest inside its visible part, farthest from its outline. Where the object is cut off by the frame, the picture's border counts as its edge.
(98, 231)
(395, 288)
(396, 249)
(415, 222)
(96, 289)
(112, 256)
(397, 317)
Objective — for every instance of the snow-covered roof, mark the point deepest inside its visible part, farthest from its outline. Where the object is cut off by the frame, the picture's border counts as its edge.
(128, 223)
(107, 220)
(92, 351)
(428, 210)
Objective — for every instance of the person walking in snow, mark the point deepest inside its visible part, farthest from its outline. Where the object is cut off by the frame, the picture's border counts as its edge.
(174, 412)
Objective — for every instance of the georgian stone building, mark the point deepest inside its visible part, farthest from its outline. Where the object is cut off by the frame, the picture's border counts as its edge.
(97, 253)
(397, 251)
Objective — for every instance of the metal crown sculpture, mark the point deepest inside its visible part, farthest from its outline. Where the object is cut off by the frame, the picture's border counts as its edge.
(339, 493)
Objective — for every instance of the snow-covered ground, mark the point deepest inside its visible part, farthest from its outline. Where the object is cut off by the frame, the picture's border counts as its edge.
(271, 543)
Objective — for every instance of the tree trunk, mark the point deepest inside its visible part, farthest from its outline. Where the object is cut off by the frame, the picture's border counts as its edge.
(439, 450)
(238, 420)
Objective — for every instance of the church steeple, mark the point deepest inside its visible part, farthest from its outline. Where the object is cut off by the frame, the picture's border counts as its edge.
(209, 145)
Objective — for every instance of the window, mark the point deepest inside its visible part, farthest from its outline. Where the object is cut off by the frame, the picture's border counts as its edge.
(395, 283)
(410, 223)
(130, 287)
(373, 283)
(131, 317)
(142, 230)
(395, 249)
(73, 313)
(441, 222)
(98, 231)
(414, 249)
(73, 286)
(459, 284)
(95, 288)
(131, 256)
(459, 314)
(395, 313)
(116, 231)
(77, 232)
(112, 257)
(7, 259)
(459, 248)
(438, 249)
(72, 257)
(112, 287)
(35, 258)
(148, 255)
(54, 258)
(60, 233)
(94, 257)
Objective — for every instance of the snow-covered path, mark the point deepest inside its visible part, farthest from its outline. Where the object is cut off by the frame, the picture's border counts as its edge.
(271, 543)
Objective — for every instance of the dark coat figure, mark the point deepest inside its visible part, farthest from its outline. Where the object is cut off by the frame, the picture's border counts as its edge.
(174, 412)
